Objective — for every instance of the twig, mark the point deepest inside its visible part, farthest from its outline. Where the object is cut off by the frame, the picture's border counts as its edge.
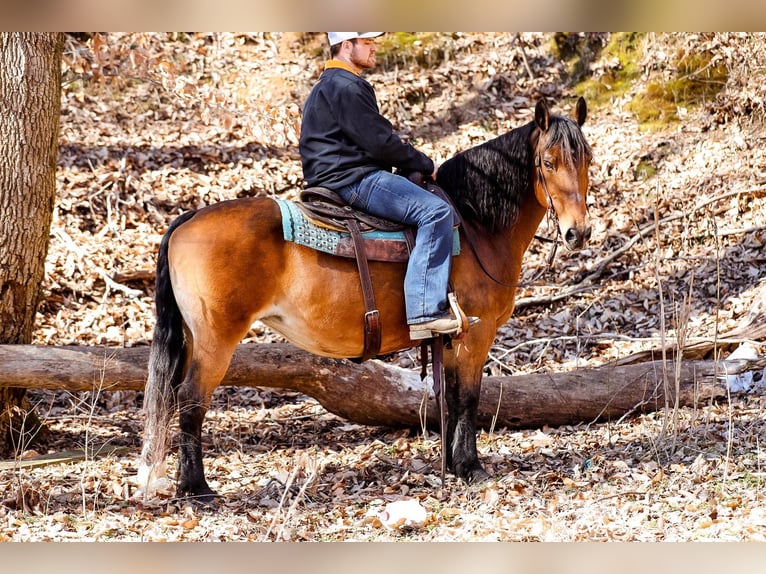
(66, 239)
(64, 457)
(497, 411)
(519, 45)
(619, 494)
(587, 282)
(134, 275)
(743, 230)
(300, 496)
(665, 383)
(650, 228)
(302, 465)
(547, 299)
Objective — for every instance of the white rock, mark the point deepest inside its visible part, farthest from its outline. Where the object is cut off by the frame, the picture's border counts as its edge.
(741, 381)
(408, 513)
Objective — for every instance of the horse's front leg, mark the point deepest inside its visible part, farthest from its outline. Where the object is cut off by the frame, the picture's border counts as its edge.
(462, 396)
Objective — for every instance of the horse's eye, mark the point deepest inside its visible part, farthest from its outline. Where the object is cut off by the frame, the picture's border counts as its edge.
(548, 164)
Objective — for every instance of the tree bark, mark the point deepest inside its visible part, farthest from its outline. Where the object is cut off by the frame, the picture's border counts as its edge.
(378, 393)
(30, 104)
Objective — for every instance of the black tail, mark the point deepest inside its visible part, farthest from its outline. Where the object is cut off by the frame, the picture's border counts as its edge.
(168, 347)
(166, 360)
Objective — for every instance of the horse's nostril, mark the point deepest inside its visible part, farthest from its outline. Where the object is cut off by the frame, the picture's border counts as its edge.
(575, 239)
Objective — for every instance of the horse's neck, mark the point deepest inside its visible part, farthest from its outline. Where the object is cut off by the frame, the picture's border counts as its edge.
(518, 238)
(501, 253)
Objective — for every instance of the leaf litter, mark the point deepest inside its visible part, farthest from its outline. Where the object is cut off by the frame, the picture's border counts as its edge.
(155, 124)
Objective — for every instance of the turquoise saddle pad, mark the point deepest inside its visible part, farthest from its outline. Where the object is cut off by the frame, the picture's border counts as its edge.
(298, 229)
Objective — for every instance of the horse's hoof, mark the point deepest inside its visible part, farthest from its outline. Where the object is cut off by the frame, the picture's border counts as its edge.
(473, 475)
(208, 499)
(200, 497)
(477, 476)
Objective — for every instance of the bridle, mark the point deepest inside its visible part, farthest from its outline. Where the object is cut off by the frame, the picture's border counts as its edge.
(551, 213)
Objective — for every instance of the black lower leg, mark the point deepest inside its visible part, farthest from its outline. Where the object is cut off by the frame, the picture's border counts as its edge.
(465, 457)
(451, 396)
(191, 474)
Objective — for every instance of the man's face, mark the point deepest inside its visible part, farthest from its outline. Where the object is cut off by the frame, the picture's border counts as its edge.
(363, 53)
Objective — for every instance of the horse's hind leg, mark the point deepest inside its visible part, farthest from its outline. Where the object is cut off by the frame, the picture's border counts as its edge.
(205, 372)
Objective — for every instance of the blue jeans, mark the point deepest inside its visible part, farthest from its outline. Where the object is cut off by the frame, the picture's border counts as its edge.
(394, 197)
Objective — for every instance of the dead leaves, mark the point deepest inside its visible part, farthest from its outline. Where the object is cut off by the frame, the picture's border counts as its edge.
(25, 499)
(153, 125)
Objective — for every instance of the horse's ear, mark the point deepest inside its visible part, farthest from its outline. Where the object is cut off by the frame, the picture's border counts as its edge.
(542, 115)
(580, 112)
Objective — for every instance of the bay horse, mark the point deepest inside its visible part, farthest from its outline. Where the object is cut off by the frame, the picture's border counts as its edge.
(223, 267)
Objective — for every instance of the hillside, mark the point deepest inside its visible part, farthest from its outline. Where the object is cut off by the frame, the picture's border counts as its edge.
(153, 125)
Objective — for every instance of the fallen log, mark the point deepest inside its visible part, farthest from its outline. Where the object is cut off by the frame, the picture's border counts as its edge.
(378, 393)
(752, 328)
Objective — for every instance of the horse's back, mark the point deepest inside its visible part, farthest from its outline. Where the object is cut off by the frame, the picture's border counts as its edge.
(233, 220)
(230, 266)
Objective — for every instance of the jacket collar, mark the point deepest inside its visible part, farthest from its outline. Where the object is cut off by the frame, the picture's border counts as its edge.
(342, 65)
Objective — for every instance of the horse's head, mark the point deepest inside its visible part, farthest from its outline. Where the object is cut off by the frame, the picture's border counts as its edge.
(562, 157)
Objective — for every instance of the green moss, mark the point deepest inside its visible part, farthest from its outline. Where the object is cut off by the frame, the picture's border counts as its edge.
(690, 78)
(578, 51)
(694, 79)
(645, 170)
(405, 49)
(623, 51)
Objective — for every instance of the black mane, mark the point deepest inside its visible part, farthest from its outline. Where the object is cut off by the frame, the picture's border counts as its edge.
(487, 182)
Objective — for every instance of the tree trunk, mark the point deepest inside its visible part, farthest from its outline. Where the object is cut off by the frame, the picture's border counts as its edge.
(377, 393)
(30, 105)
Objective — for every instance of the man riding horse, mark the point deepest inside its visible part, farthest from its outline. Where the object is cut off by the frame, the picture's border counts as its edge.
(347, 146)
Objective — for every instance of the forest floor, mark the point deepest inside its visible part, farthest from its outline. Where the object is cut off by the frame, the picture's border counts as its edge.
(154, 125)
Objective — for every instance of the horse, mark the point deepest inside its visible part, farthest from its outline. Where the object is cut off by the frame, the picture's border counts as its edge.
(226, 265)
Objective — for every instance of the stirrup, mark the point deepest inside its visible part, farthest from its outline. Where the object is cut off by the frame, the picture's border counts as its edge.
(463, 323)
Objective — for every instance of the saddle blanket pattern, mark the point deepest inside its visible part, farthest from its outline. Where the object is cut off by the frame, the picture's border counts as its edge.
(297, 228)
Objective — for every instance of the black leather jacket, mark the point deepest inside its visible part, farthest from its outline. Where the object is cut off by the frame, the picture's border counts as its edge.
(344, 137)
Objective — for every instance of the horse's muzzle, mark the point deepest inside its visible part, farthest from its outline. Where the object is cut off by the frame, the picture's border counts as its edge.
(575, 238)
